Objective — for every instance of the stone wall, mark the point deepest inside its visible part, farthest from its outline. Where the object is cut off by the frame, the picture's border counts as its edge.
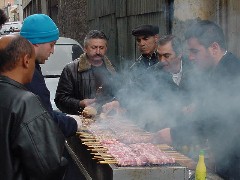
(72, 19)
(188, 10)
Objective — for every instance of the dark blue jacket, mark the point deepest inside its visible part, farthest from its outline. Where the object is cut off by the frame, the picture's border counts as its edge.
(38, 86)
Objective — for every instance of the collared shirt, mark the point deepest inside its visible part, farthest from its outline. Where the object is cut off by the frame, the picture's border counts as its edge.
(177, 76)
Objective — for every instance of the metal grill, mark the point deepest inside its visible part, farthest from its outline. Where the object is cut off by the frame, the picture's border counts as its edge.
(92, 169)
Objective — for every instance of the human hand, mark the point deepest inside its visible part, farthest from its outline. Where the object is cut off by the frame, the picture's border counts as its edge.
(163, 136)
(87, 102)
(89, 112)
(110, 106)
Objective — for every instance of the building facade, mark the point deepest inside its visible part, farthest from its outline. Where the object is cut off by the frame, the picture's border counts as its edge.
(117, 17)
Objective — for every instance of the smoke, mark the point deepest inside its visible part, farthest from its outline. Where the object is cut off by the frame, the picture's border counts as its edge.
(203, 110)
(151, 98)
(154, 102)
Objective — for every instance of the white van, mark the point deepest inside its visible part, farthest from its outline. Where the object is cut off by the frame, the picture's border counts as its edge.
(52, 69)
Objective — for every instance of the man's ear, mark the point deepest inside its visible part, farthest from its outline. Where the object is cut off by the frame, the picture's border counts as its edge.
(26, 61)
(214, 48)
(85, 49)
(156, 37)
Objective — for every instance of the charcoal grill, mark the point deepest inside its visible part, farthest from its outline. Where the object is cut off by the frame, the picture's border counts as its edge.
(92, 169)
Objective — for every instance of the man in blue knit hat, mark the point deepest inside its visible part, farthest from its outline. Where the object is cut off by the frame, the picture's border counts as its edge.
(43, 33)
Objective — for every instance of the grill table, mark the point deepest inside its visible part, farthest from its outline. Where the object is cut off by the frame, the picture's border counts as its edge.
(92, 169)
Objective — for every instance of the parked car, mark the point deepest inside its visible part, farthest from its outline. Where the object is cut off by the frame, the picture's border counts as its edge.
(11, 27)
(64, 51)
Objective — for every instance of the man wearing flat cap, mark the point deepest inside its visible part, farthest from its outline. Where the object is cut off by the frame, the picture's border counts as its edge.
(139, 80)
(142, 70)
(146, 38)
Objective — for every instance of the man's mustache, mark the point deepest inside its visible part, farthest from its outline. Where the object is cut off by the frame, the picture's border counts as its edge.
(98, 56)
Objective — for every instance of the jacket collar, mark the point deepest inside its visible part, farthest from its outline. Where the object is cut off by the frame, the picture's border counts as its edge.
(84, 64)
(150, 56)
(12, 82)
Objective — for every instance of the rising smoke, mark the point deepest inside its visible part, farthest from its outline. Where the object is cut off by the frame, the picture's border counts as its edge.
(153, 104)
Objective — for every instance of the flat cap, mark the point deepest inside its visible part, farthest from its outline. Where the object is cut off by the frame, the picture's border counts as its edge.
(145, 30)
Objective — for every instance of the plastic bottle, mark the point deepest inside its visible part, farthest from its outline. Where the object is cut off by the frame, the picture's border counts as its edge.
(201, 171)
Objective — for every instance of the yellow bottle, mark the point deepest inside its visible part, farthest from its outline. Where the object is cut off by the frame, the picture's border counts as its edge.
(201, 171)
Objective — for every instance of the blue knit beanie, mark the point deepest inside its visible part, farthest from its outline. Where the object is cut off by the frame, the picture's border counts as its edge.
(39, 28)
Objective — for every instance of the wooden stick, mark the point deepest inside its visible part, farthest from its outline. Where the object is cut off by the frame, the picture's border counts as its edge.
(170, 151)
(98, 149)
(96, 146)
(86, 135)
(97, 158)
(81, 132)
(102, 154)
(174, 154)
(104, 158)
(108, 162)
(182, 159)
(92, 143)
(89, 140)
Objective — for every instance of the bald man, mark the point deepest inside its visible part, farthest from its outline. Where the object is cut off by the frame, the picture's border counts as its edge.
(31, 144)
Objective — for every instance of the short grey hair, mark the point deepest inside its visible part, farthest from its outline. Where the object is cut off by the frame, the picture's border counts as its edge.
(176, 43)
(94, 34)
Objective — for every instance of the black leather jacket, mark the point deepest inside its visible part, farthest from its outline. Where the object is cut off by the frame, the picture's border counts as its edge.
(31, 143)
(145, 61)
(143, 66)
(67, 124)
(78, 82)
